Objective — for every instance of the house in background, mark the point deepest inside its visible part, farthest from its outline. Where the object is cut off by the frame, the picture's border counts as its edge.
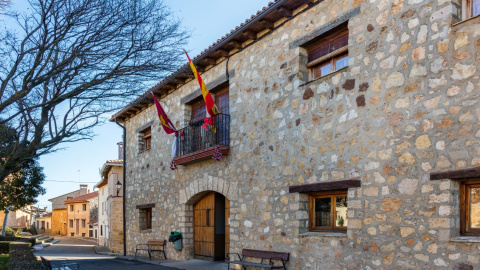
(59, 210)
(20, 218)
(43, 223)
(110, 204)
(79, 212)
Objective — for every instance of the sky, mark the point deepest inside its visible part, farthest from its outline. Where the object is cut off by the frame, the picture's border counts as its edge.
(80, 162)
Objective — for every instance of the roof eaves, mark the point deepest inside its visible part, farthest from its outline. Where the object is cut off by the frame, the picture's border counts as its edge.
(216, 45)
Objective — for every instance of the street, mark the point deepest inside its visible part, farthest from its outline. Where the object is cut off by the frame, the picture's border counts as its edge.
(82, 252)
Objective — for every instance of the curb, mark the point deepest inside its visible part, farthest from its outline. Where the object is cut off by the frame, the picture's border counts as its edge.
(105, 253)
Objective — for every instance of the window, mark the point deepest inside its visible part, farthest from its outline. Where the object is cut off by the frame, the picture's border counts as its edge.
(146, 218)
(328, 211)
(147, 138)
(47, 225)
(328, 54)
(68, 198)
(71, 223)
(72, 234)
(71, 208)
(470, 8)
(83, 234)
(470, 207)
(84, 207)
(101, 230)
(103, 208)
(84, 223)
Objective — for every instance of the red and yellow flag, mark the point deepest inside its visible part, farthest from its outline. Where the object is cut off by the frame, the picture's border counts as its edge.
(209, 102)
(166, 123)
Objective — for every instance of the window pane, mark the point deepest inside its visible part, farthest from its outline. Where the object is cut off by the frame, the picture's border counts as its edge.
(326, 69)
(341, 62)
(341, 211)
(322, 212)
(475, 207)
(475, 7)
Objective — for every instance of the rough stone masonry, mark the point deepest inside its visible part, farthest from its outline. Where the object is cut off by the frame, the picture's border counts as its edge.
(406, 106)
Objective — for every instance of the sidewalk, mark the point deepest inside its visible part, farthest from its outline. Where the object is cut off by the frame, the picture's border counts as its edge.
(186, 265)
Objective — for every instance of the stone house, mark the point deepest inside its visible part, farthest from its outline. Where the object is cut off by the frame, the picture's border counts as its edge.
(80, 211)
(59, 210)
(349, 133)
(110, 204)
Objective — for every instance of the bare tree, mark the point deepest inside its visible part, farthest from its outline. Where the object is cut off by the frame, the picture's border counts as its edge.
(67, 62)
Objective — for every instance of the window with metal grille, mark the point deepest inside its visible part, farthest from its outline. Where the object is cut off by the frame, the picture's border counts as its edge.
(329, 54)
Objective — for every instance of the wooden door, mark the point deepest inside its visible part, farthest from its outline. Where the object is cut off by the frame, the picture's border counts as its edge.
(77, 227)
(227, 226)
(204, 227)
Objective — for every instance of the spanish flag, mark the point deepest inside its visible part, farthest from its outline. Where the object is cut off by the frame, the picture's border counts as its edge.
(166, 123)
(209, 102)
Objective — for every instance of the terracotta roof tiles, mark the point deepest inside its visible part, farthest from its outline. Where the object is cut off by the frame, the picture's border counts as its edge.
(83, 198)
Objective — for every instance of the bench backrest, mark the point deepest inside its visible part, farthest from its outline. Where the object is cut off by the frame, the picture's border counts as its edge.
(46, 263)
(265, 254)
(157, 242)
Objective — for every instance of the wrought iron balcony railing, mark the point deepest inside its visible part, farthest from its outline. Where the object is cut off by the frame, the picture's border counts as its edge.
(197, 143)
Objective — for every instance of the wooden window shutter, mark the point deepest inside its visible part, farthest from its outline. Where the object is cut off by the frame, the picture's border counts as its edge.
(329, 48)
(198, 111)
(221, 100)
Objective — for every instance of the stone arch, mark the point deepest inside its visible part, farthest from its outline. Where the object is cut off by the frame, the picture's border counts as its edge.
(189, 196)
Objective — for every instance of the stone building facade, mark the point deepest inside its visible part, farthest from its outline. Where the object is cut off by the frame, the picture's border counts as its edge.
(398, 128)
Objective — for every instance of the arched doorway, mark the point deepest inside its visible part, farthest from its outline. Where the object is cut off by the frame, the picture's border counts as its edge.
(211, 230)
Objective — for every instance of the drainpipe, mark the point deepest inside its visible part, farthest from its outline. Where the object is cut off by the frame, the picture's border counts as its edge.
(124, 186)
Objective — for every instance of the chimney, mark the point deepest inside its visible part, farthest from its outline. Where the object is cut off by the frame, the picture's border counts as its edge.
(120, 150)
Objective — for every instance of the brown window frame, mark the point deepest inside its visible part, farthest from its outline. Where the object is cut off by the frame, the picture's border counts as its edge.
(465, 229)
(84, 223)
(326, 194)
(313, 70)
(148, 218)
(468, 10)
(70, 223)
(147, 138)
(84, 207)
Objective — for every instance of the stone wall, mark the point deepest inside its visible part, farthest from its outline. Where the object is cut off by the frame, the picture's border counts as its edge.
(406, 106)
(116, 224)
(59, 221)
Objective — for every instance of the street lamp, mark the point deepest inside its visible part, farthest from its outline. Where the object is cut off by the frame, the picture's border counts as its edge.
(119, 186)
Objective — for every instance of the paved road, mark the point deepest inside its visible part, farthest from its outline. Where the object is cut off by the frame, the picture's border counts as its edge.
(81, 252)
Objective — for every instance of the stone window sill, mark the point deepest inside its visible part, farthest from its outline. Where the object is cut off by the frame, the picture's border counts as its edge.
(466, 20)
(465, 239)
(324, 234)
(146, 231)
(143, 151)
(329, 75)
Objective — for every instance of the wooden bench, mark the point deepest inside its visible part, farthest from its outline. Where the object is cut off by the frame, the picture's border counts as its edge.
(271, 256)
(152, 246)
(65, 265)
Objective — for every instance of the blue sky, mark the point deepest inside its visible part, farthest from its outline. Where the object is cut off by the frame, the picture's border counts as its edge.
(80, 162)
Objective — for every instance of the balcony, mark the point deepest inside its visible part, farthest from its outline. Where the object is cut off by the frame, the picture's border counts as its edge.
(196, 143)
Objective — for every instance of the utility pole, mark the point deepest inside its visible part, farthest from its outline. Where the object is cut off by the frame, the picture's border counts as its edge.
(4, 228)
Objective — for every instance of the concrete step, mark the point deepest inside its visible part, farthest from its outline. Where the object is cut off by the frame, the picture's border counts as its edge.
(45, 240)
(55, 241)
